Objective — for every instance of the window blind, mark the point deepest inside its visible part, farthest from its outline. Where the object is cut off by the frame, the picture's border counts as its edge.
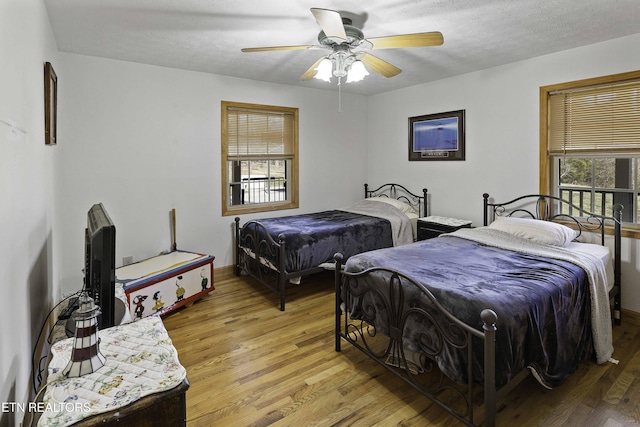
(254, 133)
(595, 120)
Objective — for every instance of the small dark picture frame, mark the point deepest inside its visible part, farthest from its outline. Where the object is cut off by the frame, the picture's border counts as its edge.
(437, 136)
(50, 105)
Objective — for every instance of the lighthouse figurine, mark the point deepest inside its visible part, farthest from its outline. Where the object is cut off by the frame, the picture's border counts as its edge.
(85, 355)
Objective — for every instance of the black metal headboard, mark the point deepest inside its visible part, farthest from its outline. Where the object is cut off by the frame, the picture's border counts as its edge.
(399, 192)
(552, 208)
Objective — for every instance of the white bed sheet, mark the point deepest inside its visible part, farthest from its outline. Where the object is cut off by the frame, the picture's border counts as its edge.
(413, 218)
(602, 252)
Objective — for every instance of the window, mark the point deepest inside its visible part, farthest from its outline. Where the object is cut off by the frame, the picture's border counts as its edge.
(259, 158)
(596, 184)
(590, 144)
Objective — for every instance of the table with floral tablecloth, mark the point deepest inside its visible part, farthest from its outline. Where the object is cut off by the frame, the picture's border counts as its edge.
(140, 360)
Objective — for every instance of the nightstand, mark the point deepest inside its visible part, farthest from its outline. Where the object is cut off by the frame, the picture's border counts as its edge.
(433, 226)
(142, 383)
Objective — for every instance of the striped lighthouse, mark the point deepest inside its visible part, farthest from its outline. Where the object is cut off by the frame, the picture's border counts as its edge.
(85, 356)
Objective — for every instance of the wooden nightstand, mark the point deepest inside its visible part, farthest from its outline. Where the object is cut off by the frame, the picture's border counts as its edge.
(142, 383)
(433, 226)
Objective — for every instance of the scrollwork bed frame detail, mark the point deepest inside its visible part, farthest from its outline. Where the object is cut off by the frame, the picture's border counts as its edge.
(251, 251)
(384, 343)
(399, 192)
(458, 401)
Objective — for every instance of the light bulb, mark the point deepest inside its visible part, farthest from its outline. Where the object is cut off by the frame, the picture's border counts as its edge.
(323, 70)
(357, 72)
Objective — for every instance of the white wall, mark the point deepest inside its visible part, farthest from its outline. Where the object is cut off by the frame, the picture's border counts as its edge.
(502, 133)
(27, 190)
(144, 140)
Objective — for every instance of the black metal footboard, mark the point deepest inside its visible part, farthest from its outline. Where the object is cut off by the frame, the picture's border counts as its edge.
(373, 314)
(258, 255)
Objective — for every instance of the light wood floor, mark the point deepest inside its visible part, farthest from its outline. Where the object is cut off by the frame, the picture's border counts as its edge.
(250, 364)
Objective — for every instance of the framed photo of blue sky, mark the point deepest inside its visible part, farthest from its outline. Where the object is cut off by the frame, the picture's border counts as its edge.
(437, 136)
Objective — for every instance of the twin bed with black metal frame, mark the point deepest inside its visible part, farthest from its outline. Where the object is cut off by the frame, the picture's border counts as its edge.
(486, 307)
(278, 250)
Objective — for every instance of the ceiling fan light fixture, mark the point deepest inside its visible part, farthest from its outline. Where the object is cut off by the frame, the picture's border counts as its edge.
(339, 60)
(356, 72)
(347, 44)
(323, 70)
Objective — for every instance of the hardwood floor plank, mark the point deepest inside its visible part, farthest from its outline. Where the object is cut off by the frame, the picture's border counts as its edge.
(250, 364)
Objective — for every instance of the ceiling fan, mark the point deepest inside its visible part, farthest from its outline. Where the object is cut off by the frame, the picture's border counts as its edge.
(349, 48)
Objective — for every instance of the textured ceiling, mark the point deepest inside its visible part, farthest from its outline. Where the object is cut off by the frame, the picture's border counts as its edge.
(207, 35)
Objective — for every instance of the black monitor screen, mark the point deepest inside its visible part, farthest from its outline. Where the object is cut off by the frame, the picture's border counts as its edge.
(100, 258)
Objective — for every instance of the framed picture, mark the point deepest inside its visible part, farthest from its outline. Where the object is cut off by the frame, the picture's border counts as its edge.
(50, 105)
(437, 136)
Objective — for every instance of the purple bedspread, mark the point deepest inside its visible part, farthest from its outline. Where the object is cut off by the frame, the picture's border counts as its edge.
(313, 239)
(543, 304)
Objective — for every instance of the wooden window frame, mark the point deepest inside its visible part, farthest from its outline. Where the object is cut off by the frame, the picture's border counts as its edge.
(546, 178)
(293, 179)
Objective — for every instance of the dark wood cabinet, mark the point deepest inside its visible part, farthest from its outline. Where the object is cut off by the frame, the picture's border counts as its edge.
(433, 226)
(129, 390)
(168, 408)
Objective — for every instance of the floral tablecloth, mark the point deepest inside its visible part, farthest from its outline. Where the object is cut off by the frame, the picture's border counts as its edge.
(141, 360)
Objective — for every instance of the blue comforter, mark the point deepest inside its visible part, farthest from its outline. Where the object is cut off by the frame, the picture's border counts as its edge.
(543, 304)
(313, 239)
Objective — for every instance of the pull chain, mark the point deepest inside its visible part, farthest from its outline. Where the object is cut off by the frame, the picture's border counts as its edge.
(339, 94)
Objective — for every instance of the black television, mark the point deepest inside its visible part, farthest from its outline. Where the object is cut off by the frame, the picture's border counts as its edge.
(100, 263)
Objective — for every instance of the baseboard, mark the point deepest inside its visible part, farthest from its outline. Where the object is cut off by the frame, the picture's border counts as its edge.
(632, 317)
(223, 273)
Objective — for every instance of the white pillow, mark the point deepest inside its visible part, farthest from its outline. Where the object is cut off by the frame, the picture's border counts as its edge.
(546, 232)
(402, 206)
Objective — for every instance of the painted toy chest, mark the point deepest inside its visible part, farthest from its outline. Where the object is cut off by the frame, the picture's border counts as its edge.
(163, 283)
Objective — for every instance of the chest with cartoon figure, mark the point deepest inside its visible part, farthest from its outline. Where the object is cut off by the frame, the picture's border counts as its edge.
(161, 284)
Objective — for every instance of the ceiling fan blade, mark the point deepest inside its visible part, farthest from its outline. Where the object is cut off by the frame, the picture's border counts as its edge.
(330, 22)
(270, 48)
(433, 38)
(311, 71)
(380, 66)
